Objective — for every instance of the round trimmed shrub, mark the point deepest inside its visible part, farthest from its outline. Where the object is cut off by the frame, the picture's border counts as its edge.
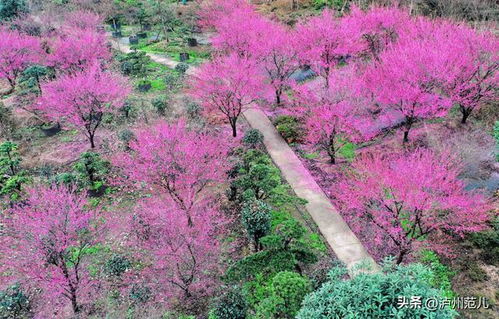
(253, 138)
(232, 305)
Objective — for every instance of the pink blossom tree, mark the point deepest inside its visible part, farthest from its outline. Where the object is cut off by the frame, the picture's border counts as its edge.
(243, 32)
(277, 56)
(412, 200)
(183, 260)
(325, 41)
(212, 12)
(45, 242)
(17, 51)
(174, 160)
(331, 118)
(227, 85)
(82, 99)
(472, 65)
(406, 83)
(375, 29)
(78, 49)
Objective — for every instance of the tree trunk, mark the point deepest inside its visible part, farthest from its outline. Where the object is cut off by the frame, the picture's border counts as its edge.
(91, 139)
(466, 113)
(277, 98)
(408, 126)
(401, 255)
(74, 303)
(331, 151)
(233, 126)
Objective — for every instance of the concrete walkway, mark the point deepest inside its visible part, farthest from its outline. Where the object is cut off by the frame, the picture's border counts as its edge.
(335, 230)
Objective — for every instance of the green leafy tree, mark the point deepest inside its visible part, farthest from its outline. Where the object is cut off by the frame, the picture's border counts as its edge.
(258, 178)
(31, 77)
(284, 296)
(160, 103)
(375, 294)
(11, 9)
(231, 305)
(253, 138)
(287, 249)
(91, 171)
(11, 176)
(257, 220)
(134, 63)
(14, 303)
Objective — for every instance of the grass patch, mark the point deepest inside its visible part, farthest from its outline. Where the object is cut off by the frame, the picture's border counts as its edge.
(158, 85)
(347, 151)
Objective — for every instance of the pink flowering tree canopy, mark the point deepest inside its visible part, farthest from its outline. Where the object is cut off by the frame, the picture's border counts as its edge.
(406, 84)
(45, 243)
(77, 50)
(174, 160)
(227, 85)
(472, 65)
(82, 99)
(412, 200)
(17, 51)
(183, 260)
(330, 116)
(323, 42)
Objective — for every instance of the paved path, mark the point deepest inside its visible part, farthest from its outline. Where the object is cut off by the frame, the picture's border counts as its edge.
(335, 230)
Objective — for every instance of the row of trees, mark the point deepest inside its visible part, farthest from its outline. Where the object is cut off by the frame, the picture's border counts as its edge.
(398, 68)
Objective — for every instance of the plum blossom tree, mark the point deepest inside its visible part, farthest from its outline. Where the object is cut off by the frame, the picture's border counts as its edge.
(405, 83)
(324, 41)
(330, 116)
(227, 85)
(278, 58)
(45, 244)
(412, 200)
(243, 32)
(212, 12)
(82, 99)
(472, 64)
(17, 51)
(77, 50)
(173, 160)
(184, 259)
(377, 28)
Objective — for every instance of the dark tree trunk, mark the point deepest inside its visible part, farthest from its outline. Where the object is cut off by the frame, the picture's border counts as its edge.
(331, 151)
(233, 126)
(74, 303)
(278, 98)
(401, 255)
(408, 126)
(466, 113)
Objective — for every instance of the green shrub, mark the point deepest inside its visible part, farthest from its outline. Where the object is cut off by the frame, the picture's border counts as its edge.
(140, 293)
(475, 272)
(256, 218)
(375, 295)
(126, 136)
(253, 138)
(14, 303)
(160, 103)
(231, 305)
(117, 265)
(284, 296)
(134, 63)
(289, 127)
(181, 68)
(193, 110)
(11, 9)
(91, 171)
(173, 81)
(488, 242)
(442, 274)
(12, 177)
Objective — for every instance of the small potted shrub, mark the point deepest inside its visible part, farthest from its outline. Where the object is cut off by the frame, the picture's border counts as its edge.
(144, 85)
(133, 40)
(51, 129)
(192, 42)
(117, 34)
(160, 104)
(184, 56)
(181, 68)
(142, 35)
